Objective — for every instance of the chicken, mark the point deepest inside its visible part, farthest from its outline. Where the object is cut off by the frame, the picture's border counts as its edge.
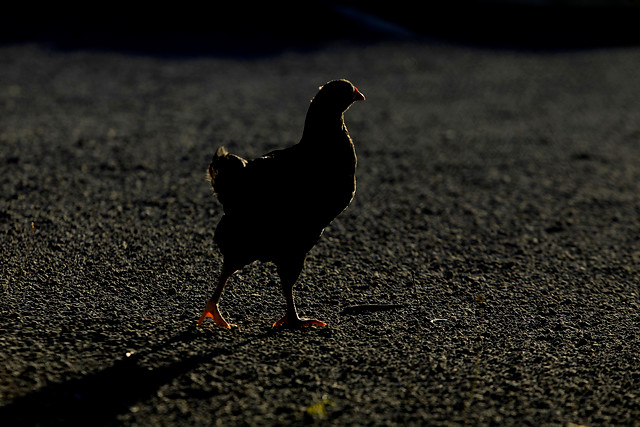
(277, 206)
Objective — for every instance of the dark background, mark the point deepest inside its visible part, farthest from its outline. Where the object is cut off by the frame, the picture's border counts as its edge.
(237, 28)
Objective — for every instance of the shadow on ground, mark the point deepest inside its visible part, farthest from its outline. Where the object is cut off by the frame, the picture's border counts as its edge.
(81, 401)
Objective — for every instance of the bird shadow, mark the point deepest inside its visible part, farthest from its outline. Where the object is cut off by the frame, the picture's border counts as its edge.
(100, 396)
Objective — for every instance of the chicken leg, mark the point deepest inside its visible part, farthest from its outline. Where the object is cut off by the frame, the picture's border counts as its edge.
(289, 272)
(211, 309)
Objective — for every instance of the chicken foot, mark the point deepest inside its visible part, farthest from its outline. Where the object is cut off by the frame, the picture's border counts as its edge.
(211, 309)
(289, 273)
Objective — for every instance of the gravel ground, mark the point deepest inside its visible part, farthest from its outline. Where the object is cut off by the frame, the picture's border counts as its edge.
(486, 272)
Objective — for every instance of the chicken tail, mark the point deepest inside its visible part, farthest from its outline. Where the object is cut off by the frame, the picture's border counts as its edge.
(224, 172)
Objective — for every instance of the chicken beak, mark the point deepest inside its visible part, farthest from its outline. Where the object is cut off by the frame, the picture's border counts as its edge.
(357, 96)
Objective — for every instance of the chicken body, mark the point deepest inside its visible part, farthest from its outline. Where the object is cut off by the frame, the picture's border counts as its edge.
(277, 206)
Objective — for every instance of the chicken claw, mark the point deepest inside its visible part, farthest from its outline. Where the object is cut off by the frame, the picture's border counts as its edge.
(298, 323)
(211, 310)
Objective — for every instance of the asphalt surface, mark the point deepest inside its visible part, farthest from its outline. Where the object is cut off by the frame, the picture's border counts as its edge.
(486, 272)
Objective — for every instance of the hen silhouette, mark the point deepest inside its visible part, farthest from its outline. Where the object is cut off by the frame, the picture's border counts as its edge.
(277, 206)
